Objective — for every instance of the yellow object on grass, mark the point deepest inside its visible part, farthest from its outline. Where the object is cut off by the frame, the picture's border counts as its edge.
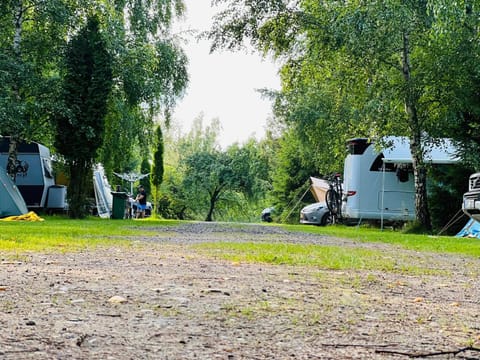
(30, 216)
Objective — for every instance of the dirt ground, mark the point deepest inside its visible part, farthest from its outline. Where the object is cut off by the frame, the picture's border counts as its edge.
(161, 299)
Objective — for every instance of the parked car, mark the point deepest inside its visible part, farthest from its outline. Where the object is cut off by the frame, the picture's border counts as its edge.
(316, 214)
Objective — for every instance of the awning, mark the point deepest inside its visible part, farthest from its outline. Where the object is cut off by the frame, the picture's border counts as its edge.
(319, 188)
(399, 152)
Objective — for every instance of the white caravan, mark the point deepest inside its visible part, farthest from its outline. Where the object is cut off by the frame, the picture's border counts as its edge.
(378, 184)
(34, 175)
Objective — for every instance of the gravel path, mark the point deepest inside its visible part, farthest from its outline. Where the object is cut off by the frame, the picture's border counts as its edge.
(162, 299)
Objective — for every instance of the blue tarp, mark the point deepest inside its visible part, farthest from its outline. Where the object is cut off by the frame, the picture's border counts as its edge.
(471, 229)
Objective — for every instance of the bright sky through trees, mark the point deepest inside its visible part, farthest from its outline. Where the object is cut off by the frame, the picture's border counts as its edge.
(223, 84)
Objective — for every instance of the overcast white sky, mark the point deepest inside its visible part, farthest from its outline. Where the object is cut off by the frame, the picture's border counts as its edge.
(222, 85)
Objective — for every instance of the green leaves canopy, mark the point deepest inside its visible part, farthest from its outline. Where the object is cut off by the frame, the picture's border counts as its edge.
(213, 175)
(79, 133)
(361, 68)
(32, 36)
(149, 68)
(88, 81)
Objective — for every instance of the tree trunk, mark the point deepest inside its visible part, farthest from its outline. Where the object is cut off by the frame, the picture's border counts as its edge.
(17, 25)
(17, 40)
(12, 158)
(211, 209)
(213, 201)
(77, 198)
(422, 212)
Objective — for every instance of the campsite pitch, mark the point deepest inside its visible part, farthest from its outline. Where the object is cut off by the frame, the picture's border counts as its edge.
(180, 293)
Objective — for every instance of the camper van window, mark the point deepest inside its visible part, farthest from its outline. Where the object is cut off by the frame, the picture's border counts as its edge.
(47, 167)
(357, 146)
(377, 165)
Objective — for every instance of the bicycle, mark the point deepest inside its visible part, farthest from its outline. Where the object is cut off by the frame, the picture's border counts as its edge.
(333, 197)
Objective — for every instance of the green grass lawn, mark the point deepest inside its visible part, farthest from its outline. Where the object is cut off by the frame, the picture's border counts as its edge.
(58, 233)
(63, 234)
(440, 244)
(326, 257)
(348, 258)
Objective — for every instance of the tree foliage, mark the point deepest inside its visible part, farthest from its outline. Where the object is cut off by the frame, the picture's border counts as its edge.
(291, 172)
(209, 175)
(202, 181)
(32, 38)
(80, 131)
(364, 69)
(150, 69)
(220, 179)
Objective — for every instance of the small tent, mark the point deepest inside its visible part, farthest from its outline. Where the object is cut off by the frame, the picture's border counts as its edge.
(319, 188)
(471, 229)
(11, 201)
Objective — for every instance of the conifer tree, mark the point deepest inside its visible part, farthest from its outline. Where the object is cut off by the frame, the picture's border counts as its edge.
(80, 129)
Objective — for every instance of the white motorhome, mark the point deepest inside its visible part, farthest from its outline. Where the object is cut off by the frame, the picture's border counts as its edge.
(378, 183)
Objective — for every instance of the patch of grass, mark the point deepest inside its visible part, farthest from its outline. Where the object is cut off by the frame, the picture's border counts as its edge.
(62, 234)
(326, 257)
(428, 243)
